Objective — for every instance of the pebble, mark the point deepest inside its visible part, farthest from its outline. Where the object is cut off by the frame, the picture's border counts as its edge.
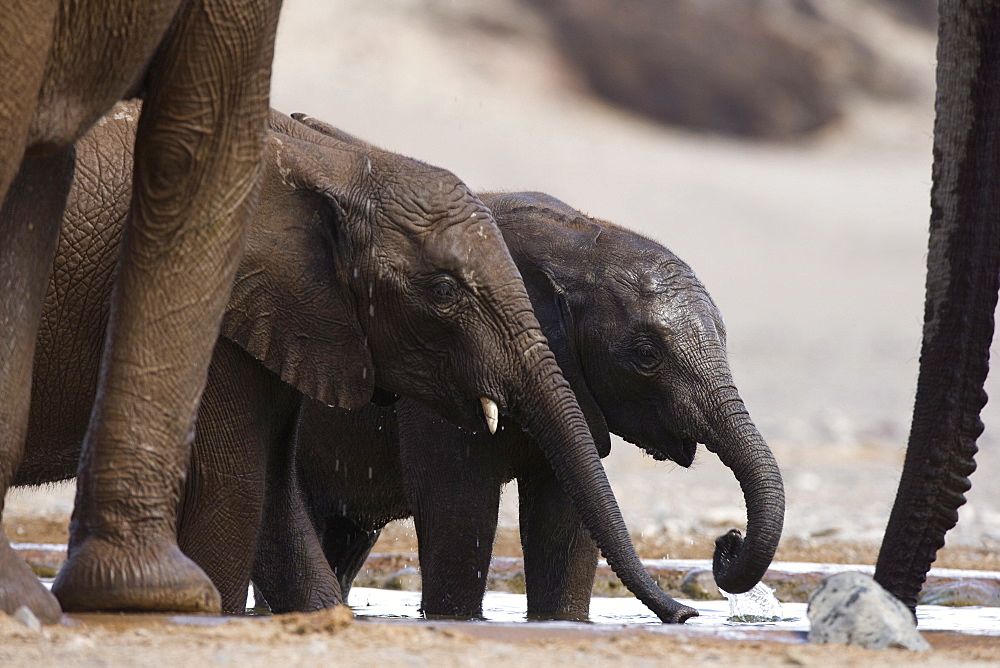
(699, 584)
(962, 593)
(24, 615)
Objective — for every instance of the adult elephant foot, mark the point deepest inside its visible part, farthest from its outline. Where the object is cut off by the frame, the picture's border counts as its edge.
(19, 587)
(106, 575)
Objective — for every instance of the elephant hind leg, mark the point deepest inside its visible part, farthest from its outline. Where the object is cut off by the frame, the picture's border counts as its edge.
(29, 230)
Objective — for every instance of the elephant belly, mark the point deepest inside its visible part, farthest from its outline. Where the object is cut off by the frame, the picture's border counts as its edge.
(98, 55)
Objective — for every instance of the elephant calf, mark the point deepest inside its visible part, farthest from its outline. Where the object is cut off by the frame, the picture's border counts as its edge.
(643, 347)
(366, 274)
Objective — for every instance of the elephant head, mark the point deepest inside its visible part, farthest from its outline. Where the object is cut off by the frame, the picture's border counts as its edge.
(367, 273)
(644, 347)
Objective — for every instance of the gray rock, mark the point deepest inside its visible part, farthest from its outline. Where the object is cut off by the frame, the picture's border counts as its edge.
(27, 617)
(699, 584)
(853, 609)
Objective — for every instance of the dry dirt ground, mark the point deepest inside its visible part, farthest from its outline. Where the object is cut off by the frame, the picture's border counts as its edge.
(323, 637)
(813, 251)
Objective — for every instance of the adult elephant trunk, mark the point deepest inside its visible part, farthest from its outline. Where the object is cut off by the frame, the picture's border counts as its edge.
(740, 563)
(546, 407)
(963, 264)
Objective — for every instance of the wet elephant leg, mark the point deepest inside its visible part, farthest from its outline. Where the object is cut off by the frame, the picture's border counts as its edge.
(29, 229)
(198, 153)
(560, 557)
(346, 547)
(290, 568)
(455, 499)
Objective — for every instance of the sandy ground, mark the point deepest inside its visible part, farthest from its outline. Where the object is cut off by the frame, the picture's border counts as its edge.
(318, 638)
(813, 251)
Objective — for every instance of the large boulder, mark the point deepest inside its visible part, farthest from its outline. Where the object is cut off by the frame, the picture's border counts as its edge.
(853, 609)
(771, 69)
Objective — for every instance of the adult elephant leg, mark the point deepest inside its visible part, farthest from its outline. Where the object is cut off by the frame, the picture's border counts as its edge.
(198, 154)
(963, 264)
(455, 498)
(346, 547)
(29, 229)
(560, 557)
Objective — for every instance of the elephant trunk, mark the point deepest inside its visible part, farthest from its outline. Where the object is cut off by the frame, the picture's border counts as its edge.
(963, 266)
(740, 563)
(547, 409)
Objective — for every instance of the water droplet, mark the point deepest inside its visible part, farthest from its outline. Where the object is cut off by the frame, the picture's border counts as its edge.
(369, 473)
(336, 466)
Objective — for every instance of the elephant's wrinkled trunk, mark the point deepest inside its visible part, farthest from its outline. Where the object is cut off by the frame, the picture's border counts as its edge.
(740, 563)
(556, 422)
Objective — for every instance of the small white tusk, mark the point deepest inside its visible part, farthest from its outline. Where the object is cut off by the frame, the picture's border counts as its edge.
(491, 412)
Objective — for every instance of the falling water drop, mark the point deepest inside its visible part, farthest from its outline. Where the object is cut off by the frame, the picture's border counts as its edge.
(369, 473)
(336, 466)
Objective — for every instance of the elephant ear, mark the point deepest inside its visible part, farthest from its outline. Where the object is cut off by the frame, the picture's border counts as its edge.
(292, 307)
(556, 318)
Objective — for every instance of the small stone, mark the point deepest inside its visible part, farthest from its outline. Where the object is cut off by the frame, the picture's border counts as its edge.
(699, 584)
(406, 579)
(853, 609)
(79, 642)
(24, 615)
(794, 658)
(967, 592)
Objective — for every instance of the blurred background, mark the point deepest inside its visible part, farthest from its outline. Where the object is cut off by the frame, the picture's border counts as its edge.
(780, 147)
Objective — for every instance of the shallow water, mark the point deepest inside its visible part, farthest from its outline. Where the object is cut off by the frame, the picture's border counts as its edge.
(505, 607)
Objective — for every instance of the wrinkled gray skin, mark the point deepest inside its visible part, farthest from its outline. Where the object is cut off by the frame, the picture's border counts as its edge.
(204, 68)
(365, 274)
(963, 274)
(643, 346)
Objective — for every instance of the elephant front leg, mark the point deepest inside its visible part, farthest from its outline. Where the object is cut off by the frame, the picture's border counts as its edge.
(560, 557)
(198, 155)
(455, 499)
(29, 229)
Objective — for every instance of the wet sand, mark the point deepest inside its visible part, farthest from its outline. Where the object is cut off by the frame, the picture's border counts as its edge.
(131, 640)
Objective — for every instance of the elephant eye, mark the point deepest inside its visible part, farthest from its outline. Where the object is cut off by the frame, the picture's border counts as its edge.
(444, 290)
(648, 355)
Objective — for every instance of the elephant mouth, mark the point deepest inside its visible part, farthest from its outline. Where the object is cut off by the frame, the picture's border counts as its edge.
(382, 397)
(680, 451)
